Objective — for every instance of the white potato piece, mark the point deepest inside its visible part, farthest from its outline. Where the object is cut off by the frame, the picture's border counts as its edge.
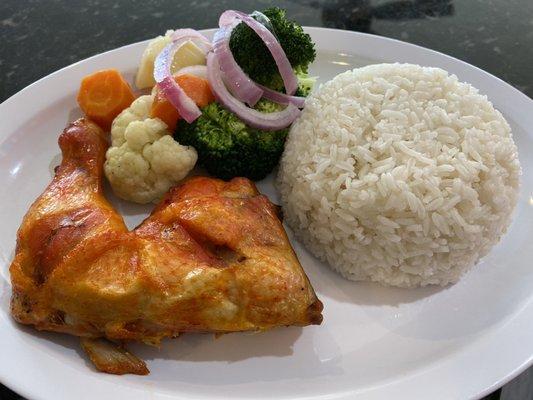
(187, 55)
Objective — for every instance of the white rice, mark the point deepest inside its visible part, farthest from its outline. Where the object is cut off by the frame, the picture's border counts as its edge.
(399, 174)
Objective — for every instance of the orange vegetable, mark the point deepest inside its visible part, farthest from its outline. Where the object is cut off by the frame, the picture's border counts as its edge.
(195, 87)
(103, 95)
(166, 112)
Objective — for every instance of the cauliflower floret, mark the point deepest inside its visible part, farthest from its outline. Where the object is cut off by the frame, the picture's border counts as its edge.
(139, 110)
(144, 160)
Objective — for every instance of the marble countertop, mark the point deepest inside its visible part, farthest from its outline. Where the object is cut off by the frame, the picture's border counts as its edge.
(41, 36)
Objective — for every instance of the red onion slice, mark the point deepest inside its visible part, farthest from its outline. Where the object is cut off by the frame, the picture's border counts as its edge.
(265, 121)
(200, 40)
(282, 98)
(238, 83)
(197, 70)
(186, 107)
(228, 18)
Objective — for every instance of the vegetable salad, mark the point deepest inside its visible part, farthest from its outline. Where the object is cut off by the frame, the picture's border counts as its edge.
(226, 104)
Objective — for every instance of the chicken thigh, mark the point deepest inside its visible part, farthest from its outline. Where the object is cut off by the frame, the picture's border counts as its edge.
(212, 257)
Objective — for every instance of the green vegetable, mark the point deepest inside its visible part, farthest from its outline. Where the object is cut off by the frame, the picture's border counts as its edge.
(227, 147)
(254, 58)
(305, 84)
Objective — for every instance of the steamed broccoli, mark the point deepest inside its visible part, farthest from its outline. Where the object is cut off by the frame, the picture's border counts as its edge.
(227, 147)
(305, 84)
(255, 59)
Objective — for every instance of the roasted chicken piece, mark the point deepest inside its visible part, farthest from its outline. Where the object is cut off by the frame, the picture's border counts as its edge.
(212, 257)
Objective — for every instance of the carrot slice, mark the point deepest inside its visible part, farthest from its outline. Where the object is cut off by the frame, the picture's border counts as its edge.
(164, 110)
(195, 87)
(103, 95)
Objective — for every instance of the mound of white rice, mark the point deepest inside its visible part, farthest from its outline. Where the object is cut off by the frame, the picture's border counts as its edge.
(399, 174)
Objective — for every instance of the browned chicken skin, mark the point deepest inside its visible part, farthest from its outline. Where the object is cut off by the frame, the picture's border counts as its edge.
(212, 257)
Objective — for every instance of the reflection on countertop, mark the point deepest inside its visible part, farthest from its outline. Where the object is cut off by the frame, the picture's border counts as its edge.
(358, 15)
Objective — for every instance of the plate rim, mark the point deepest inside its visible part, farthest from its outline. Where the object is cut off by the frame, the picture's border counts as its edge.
(33, 392)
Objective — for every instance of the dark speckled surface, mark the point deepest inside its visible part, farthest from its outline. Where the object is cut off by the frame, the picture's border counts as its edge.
(39, 37)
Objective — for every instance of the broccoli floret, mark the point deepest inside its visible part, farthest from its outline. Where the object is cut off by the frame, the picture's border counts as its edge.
(305, 84)
(254, 58)
(227, 147)
(267, 106)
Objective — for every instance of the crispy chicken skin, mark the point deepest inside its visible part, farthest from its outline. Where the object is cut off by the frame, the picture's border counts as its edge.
(212, 257)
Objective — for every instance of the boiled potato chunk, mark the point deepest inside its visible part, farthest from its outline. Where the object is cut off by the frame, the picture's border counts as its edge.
(188, 54)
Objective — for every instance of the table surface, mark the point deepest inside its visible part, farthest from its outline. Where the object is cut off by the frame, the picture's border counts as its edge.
(41, 36)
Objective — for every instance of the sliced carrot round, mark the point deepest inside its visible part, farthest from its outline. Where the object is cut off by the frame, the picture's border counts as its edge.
(164, 110)
(196, 88)
(103, 95)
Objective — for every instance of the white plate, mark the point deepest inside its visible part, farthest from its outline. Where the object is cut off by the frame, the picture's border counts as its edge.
(377, 343)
